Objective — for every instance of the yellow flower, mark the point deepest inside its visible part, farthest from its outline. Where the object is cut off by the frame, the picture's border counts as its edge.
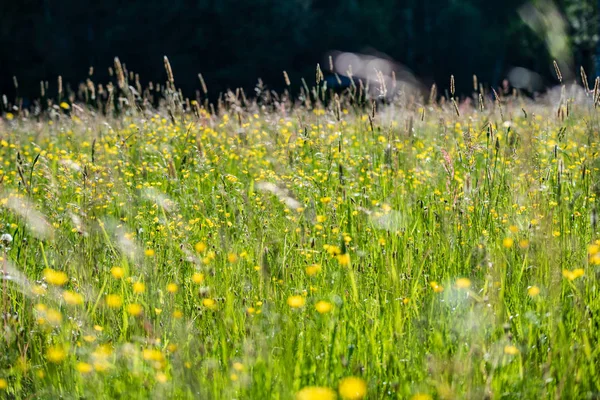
(64, 105)
(312, 270)
(117, 272)
(523, 243)
(134, 309)
(572, 275)
(200, 247)
(56, 354)
(511, 350)
(53, 277)
(177, 314)
(197, 277)
(352, 388)
(437, 288)
(508, 242)
(161, 377)
(172, 288)
(231, 257)
(139, 287)
(209, 303)
(315, 393)
(533, 291)
(149, 253)
(296, 301)
(3, 384)
(72, 298)
(421, 396)
(463, 283)
(344, 259)
(83, 368)
(323, 307)
(513, 228)
(114, 301)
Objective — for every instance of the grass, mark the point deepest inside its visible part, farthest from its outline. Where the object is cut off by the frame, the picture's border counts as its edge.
(424, 250)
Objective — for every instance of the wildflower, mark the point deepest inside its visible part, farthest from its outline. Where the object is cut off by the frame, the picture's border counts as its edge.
(161, 377)
(315, 393)
(239, 367)
(134, 309)
(508, 242)
(64, 105)
(321, 218)
(437, 288)
(38, 290)
(83, 367)
(344, 259)
(3, 384)
(56, 354)
(72, 298)
(463, 283)
(209, 303)
(113, 301)
(312, 270)
(523, 243)
(139, 287)
(6, 239)
(572, 275)
(323, 307)
(511, 350)
(172, 288)
(117, 272)
(295, 301)
(200, 247)
(53, 277)
(149, 253)
(197, 277)
(533, 291)
(177, 314)
(352, 388)
(54, 317)
(231, 257)
(421, 396)
(513, 228)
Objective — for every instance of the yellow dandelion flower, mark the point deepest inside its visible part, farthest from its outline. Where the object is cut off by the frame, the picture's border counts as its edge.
(200, 247)
(209, 303)
(344, 259)
(117, 272)
(72, 298)
(513, 228)
(508, 242)
(64, 105)
(239, 367)
(134, 309)
(352, 388)
(463, 283)
(53, 277)
(197, 277)
(323, 307)
(437, 288)
(3, 384)
(54, 317)
(231, 257)
(321, 218)
(56, 354)
(139, 287)
(161, 377)
(315, 393)
(523, 243)
(83, 367)
(533, 291)
(572, 275)
(114, 301)
(312, 270)
(149, 252)
(511, 350)
(172, 288)
(296, 301)
(421, 396)
(177, 314)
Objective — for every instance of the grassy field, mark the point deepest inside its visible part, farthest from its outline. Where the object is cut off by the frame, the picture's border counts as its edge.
(260, 249)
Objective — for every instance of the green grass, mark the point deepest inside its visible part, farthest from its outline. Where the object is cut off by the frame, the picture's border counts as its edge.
(433, 233)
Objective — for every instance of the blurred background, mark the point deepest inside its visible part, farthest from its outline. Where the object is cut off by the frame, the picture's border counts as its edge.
(235, 42)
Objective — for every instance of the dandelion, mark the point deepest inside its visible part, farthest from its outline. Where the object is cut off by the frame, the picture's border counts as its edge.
(200, 247)
(352, 388)
(231, 257)
(3, 384)
(315, 393)
(139, 287)
(172, 288)
(117, 272)
(210, 304)
(511, 350)
(149, 253)
(134, 309)
(508, 242)
(56, 278)
(523, 243)
(312, 270)
(296, 301)
(323, 307)
(197, 278)
(437, 288)
(344, 259)
(56, 354)
(572, 275)
(161, 377)
(177, 314)
(421, 396)
(83, 367)
(463, 283)
(72, 298)
(533, 291)
(113, 300)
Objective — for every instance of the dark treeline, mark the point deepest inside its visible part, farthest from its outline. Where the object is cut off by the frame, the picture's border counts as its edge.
(234, 42)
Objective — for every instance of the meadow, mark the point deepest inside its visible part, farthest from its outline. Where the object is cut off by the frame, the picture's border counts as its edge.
(311, 246)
